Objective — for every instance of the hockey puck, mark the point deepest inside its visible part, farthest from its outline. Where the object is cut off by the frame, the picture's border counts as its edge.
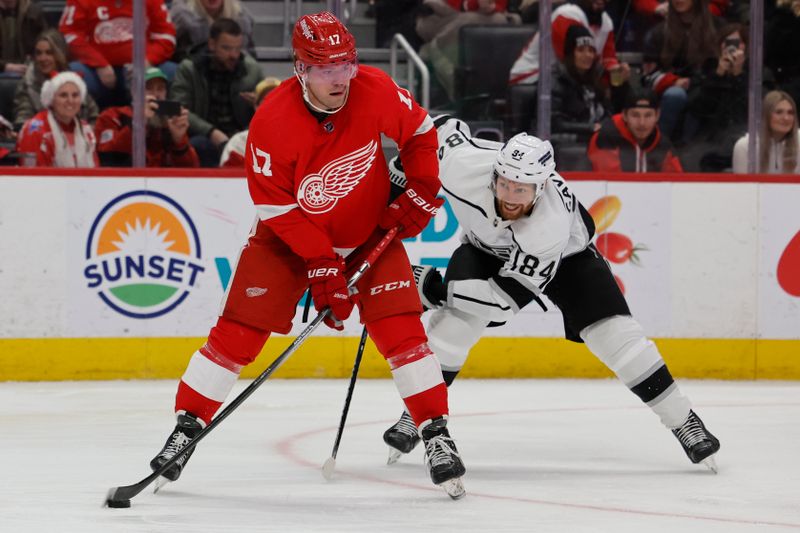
(118, 504)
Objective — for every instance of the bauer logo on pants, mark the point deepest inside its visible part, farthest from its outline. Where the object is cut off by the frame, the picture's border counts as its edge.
(142, 254)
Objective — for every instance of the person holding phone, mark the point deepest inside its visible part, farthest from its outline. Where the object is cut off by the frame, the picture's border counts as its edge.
(717, 103)
(167, 126)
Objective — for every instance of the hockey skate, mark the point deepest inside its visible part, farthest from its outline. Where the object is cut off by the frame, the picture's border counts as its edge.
(188, 427)
(698, 443)
(402, 437)
(442, 458)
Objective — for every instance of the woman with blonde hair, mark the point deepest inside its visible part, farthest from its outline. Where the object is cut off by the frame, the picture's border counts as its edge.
(193, 19)
(779, 139)
(50, 56)
(56, 135)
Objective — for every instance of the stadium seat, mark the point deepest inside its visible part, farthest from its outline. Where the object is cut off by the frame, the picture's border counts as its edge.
(52, 11)
(8, 87)
(521, 109)
(485, 56)
(571, 156)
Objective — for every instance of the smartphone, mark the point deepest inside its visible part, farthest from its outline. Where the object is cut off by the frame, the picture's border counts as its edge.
(168, 108)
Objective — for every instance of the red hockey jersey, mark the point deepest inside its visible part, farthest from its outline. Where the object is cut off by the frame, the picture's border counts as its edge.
(100, 32)
(323, 184)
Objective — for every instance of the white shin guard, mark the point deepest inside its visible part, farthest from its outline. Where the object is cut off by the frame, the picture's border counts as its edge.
(452, 334)
(620, 343)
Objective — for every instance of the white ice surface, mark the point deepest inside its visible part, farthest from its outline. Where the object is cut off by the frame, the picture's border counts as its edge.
(543, 456)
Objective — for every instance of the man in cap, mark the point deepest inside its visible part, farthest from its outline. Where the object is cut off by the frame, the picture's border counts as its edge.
(631, 141)
(166, 135)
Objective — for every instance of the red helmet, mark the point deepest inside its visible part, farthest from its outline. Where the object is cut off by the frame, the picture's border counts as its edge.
(321, 39)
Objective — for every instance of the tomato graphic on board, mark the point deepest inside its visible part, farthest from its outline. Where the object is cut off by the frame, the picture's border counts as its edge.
(789, 267)
(618, 248)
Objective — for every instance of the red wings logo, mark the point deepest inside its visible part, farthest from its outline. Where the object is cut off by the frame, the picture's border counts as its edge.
(318, 193)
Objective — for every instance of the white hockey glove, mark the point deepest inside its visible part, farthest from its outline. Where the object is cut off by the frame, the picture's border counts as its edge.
(430, 286)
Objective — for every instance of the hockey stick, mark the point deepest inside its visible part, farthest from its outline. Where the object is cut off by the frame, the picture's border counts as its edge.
(330, 463)
(121, 496)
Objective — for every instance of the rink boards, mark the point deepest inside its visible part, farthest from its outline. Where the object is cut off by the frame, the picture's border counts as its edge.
(119, 275)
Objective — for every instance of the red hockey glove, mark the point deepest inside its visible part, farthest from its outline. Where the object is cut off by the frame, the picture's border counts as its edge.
(329, 289)
(411, 211)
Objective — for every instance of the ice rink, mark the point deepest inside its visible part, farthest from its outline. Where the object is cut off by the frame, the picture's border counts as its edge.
(541, 456)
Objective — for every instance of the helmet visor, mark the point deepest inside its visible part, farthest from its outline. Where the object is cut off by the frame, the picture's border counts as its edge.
(338, 73)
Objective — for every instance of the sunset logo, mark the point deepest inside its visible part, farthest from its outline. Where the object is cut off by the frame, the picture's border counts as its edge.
(142, 254)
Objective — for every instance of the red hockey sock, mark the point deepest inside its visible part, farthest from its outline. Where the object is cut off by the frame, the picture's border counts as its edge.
(214, 369)
(415, 369)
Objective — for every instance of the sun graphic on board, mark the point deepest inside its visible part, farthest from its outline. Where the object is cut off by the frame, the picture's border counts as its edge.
(143, 254)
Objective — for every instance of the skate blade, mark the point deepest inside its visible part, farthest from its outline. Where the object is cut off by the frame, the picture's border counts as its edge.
(159, 484)
(711, 463)
(454, 488)
(394, 456)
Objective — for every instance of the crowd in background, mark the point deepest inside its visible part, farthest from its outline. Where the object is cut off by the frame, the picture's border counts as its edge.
(72, 104)
(683, 106)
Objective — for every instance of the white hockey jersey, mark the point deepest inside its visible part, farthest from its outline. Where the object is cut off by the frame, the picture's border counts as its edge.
(531, 247)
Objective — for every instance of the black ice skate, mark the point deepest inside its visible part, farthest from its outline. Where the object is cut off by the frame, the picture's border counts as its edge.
(442, 458)
(402, 437)
(188, 427)
(698, 443)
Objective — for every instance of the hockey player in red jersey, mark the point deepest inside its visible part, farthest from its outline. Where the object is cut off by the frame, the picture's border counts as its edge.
(320, 184)
(100, 38)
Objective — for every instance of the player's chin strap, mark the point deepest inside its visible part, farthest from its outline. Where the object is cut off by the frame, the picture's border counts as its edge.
(301, 78)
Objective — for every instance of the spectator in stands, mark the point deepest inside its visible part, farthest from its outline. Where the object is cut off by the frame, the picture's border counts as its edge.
(589, 14)
(166, 135)
(717, 102)
(100, 38)
(674, 51)
(56, 135)
(439, 30)
(782, 46)
(193, 18)
(631, 141)
(216, 84)
(20, 22)
(233, 156)
(50, 56)
(578, 97)
(779, 138)
(396, 16)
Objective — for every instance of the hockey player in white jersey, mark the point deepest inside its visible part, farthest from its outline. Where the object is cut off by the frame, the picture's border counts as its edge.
(525, 234)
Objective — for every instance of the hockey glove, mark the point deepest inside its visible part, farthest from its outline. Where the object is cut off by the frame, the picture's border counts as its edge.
(430, 286)
(329, 289)
(411, 211)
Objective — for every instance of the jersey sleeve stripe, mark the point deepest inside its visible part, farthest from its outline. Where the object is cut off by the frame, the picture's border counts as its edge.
(449, 192)
(266, 212)
(425, 127)
(165, 36)
(512, 291)
(481, 302)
